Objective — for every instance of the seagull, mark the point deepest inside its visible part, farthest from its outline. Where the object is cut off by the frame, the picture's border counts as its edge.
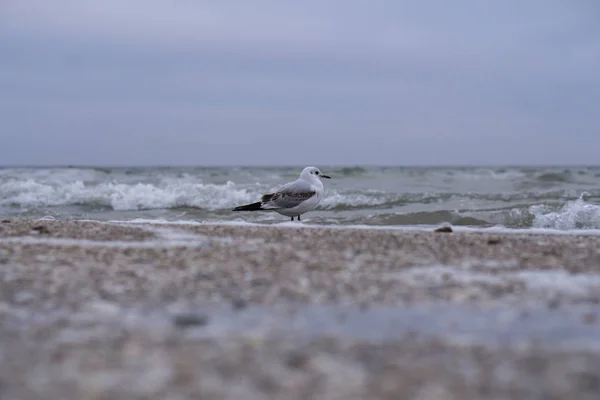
(295, 198)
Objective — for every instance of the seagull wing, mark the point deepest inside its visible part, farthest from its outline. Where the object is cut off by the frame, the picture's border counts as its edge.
(289, 196)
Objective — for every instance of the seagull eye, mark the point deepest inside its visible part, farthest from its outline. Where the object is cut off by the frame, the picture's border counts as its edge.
(317, 172)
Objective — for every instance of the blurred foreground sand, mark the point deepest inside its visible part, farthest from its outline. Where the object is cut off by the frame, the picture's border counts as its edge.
(105, 311)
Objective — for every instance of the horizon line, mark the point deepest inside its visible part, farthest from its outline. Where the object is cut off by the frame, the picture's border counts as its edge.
(365, 165)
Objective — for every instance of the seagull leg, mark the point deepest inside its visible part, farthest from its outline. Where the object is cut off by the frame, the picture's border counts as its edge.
(292, 218)
(298, 218)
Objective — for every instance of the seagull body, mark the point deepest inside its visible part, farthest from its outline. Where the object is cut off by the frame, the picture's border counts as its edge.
(292, 199)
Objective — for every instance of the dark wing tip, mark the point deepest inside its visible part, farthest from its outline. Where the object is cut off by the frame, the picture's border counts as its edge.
(267, 197)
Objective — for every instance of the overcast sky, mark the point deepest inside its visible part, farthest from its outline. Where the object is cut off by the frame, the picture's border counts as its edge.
(299, 82)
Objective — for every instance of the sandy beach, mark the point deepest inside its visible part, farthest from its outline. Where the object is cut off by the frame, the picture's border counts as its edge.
(93, 310)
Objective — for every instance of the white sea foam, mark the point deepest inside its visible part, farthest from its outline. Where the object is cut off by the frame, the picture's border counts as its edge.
(576, 214)
(122, 197)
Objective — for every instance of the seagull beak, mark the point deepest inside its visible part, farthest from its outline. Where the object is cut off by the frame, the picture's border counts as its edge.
(325, 176)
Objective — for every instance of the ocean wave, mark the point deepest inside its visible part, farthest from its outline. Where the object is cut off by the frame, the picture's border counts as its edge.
(186, 191)
(576, 214)
(351, 200)
(564, 176)
(124, 197)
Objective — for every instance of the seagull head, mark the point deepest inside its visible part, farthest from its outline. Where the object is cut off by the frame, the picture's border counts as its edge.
(310, 173)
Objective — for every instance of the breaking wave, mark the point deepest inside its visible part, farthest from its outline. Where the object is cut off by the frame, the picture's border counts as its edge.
(576, 214)
(123, 197)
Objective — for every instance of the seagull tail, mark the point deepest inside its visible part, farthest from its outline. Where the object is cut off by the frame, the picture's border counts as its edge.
(250, 207)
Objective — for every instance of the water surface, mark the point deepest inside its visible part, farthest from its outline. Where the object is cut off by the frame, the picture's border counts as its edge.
(515, 197)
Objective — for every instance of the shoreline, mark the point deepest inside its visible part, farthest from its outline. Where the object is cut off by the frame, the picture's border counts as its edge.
(491, 229)
(123, 310)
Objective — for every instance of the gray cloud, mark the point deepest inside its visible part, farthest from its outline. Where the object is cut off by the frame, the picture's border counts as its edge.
(268, 82)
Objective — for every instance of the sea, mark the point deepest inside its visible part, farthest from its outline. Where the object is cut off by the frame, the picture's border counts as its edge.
(512, 197)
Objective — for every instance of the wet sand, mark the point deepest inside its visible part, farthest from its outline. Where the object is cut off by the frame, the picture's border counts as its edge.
(104, 311)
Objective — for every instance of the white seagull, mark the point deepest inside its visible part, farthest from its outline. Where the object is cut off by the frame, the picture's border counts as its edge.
(295, 198)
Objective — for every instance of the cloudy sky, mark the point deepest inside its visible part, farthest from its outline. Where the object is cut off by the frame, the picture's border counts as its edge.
(396, 82)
